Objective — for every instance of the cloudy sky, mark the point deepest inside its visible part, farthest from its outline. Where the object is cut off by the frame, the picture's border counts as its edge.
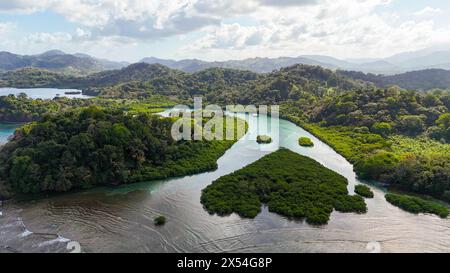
(223, 29)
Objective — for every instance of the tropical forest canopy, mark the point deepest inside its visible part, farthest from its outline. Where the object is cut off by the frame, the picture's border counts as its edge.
(92, 146)
(397, 136)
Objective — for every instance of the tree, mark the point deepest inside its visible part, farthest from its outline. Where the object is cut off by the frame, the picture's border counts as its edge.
(382, 128)
(444, 121)
(374, 165)
(411, 125)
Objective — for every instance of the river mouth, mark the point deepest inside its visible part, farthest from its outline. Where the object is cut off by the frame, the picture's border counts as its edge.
(121, 219)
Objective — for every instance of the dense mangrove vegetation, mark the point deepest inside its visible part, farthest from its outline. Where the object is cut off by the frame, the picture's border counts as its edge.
(305, 142)
(399, 137)
(92, 146)
(364, 191)
(394, 136)
(290, 184)
(264, 139)
(160, 221)
(417, 205)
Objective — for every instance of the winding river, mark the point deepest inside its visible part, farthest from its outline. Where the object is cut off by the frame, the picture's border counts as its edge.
(121, 219)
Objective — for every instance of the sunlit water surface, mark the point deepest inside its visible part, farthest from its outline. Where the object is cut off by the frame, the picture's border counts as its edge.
(42, 93)
(6, 131)
(121, 219)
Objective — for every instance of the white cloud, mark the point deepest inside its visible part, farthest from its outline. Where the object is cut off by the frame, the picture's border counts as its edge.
(6, 28)
(338, 28)
(427, 11)
(24, 6)
(288, 2)
(55, 38)
(342, 28)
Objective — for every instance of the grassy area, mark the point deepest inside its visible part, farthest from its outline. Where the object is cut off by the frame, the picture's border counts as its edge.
(364, 191)
(290, 184)
(417, 205)
(418, 146)
(305, 142)
(350, 142)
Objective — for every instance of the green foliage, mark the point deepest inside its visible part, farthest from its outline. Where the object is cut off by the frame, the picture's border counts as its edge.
(382, 128)
(421, 146)
(365, 124)
(419, 164)
(424, 166)
(290, 184)
(92, 146)
(35, 78)
(442, 129)
(217, 85)
(23, 109)
(444, 120)
(411, 125)
(305, 142)
(415, 80)
(446, 196)
(385, 111)
(159, 221)
(364, 191)
(376, 164)
(264, 139)
(349, 142)
(417, 205)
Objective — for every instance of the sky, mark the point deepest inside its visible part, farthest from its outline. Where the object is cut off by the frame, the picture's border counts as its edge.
(128, 30)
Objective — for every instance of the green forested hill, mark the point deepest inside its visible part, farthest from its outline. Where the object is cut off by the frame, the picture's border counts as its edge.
(387, 133)
(36, 78)
(57, 61)
(208, 81)
(398, 137)
(92, 146)
(217, 85)
(224, 86)
(422, 80)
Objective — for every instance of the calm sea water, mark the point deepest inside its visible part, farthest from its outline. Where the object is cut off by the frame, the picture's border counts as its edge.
(42, 93)
(7, 130)
(121, 219)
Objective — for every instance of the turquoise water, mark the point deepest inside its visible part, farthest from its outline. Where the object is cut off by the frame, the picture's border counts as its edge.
(7, 130)
(121, 219)
(41, 93)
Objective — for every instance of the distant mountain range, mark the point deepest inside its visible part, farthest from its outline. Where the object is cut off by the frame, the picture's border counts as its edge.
(58, 61)
(83, 64)
(420, 70)
(423, 80)
(396, 64)
(140, 77)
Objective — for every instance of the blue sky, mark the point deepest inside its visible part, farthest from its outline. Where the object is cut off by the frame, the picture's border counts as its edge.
(224, 29)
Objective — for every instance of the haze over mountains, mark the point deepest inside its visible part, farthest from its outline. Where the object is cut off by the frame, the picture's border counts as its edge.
(421, 70)
(84, 64)
(57, 61)
(396, 64)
